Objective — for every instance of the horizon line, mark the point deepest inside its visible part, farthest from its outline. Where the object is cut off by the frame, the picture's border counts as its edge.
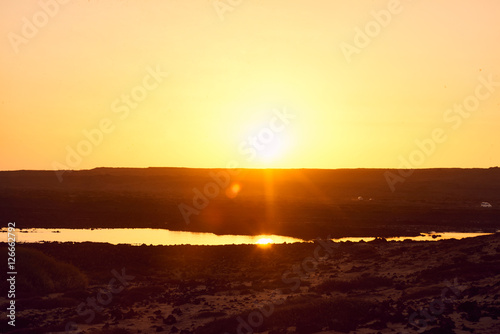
(244, 168)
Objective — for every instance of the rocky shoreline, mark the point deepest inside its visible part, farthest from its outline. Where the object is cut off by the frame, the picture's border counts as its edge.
(448, 286)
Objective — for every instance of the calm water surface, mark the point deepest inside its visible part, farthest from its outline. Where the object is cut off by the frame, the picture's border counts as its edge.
(139, 236)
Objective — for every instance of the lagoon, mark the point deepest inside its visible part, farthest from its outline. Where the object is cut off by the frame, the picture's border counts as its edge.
(148, 236)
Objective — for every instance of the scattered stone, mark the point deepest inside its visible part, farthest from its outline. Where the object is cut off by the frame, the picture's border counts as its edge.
(177, 311)
(130, 314)
(472, 310)
(170, 320)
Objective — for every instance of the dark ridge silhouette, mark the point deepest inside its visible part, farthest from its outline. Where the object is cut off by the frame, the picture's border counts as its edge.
(302, 203)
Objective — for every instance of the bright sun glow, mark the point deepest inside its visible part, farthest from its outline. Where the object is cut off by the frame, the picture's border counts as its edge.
(276, 149)
(271, 152)
(264, 241)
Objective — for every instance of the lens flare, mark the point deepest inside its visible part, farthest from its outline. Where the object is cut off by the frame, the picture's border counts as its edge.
(233, 190)
(264, 241)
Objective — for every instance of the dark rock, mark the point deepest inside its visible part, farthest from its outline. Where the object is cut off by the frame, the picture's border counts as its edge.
(472, 310)
(116, 314)
(377, 325)
(130, 314)
(437, 330)
(341, 325)
(177, 311)
(170, 320)
(379, 240)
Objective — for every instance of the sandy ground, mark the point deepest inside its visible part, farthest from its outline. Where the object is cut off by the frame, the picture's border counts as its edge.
(379, 287)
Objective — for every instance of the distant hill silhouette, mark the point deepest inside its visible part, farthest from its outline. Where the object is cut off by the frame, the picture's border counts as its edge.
(297, 202)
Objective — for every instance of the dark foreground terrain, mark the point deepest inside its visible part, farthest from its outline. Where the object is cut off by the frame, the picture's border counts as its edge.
(449, 286)
(297, 203)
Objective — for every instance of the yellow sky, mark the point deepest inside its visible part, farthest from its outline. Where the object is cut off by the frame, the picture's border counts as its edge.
(263, 83)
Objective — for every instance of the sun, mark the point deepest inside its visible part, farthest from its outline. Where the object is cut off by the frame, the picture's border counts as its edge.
(268, 141)
(274, 150)
(264, 241)
(271, 152)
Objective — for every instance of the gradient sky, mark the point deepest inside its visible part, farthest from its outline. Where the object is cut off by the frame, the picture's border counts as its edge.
(232, 68)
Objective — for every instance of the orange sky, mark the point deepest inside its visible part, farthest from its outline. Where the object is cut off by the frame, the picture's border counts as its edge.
(263, 83)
